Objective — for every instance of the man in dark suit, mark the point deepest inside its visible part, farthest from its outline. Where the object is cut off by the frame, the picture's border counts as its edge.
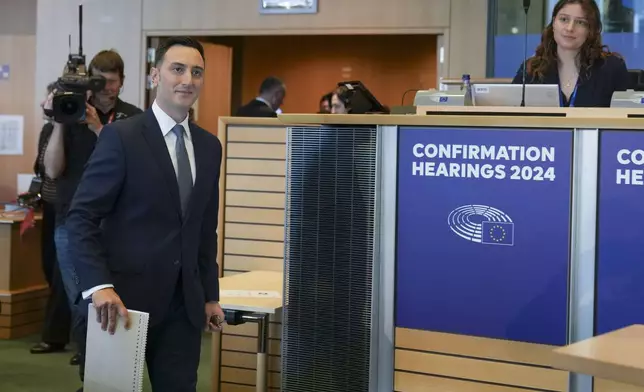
(271, 95)
(68, 150)
(143, 222)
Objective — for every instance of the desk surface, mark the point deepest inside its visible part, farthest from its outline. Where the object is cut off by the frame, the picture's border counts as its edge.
(11, 216)
(584, 118)
(615, 356)
(256, 291)
(16, 216)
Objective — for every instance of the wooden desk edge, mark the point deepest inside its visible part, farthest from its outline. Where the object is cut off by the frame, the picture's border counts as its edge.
(459, 82)
(10, 221)
(254, 309)
(226, 120)
(610, 122)
(16, 217)
(597, 368)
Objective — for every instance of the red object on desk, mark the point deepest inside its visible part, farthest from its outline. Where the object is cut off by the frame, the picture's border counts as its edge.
(28, 222)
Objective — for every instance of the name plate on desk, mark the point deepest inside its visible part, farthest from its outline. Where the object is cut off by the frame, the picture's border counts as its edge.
(620, 237)
(483, 232)
(249, 294)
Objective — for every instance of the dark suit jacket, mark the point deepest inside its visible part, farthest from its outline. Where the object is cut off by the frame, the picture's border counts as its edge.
(125, 223)
(255, 108)
(594, 90)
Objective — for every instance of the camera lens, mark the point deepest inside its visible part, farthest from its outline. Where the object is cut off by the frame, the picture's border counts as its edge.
(68, 107)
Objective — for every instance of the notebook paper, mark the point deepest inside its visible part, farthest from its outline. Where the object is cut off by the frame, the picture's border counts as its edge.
(115, 363)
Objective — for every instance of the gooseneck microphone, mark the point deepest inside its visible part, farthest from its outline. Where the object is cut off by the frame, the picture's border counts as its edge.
(526, 7)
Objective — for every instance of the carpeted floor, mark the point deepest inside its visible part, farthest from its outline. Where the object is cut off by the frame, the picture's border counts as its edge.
(21, 371)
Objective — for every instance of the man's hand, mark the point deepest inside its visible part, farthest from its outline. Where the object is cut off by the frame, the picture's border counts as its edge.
(214, 317)
(92, 120)
(108, 309)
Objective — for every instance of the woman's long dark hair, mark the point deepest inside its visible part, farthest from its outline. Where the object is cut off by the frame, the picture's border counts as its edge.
(591, 51)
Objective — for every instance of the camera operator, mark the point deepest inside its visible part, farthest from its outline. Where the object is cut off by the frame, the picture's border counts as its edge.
(69, 149)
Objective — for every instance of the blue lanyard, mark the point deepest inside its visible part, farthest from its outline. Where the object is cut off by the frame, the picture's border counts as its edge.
(571, 102)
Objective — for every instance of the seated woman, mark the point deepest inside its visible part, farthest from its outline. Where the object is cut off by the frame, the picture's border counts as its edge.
(572, 56)
(341, 103)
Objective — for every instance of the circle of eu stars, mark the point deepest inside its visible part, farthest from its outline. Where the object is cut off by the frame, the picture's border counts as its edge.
(497, 233)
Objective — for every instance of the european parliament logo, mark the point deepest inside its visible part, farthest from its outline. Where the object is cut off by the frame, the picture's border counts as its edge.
(482, 224)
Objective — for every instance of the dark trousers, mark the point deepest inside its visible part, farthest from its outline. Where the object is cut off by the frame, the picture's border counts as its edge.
(79, 333)
(173, 350)
(57, 321)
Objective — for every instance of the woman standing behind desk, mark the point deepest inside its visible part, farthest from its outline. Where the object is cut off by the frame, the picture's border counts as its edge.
(572, 56)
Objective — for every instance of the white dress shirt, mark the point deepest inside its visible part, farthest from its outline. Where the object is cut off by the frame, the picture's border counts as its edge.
(278, 110)
(260, 99)
(166, 123)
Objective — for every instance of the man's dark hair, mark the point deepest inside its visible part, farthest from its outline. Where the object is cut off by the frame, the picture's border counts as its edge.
(327, 97)
(269, 84)
(108, 61)
(167, 43)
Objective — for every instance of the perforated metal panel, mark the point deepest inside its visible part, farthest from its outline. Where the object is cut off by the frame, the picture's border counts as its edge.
(329, 259)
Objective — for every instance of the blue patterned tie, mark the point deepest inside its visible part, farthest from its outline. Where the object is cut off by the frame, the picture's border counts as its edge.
(184, 174)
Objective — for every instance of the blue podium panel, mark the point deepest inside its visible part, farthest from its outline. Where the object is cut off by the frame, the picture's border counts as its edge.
(484, 231)
(620, 237)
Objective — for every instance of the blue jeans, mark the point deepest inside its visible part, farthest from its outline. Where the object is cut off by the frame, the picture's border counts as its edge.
(67, 269)
(71, 282)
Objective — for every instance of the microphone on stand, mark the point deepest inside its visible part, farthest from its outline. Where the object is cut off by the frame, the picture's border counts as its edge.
(526, 7)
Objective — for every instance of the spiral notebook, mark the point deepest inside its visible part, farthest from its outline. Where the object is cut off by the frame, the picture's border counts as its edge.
(115, 363)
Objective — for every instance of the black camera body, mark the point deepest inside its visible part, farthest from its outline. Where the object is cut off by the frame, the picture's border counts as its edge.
(68, 104)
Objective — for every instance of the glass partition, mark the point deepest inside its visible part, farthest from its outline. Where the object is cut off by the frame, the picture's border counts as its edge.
(621, 20)
(507, 25)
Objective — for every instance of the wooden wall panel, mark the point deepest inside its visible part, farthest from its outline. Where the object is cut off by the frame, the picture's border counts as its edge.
(252, 239)
(242, 17)
(311, 66)
(17, 98)
(432, 361)
(23, 289)
(464, 23)
(20, 264)
(249, 183)
(249, 199)
(214, 100)
(602, 385)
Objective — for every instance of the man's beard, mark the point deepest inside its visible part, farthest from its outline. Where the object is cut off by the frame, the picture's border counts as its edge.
(104, 103)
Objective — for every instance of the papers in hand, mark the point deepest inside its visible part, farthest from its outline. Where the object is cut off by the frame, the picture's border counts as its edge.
(249, 294)
(116, 362)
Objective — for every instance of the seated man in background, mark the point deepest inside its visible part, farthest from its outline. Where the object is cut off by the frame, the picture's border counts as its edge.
(66, 155)
(271, 96)
(325, 103)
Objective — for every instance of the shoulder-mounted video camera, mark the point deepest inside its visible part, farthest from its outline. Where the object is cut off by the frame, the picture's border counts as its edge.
(68, 105)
